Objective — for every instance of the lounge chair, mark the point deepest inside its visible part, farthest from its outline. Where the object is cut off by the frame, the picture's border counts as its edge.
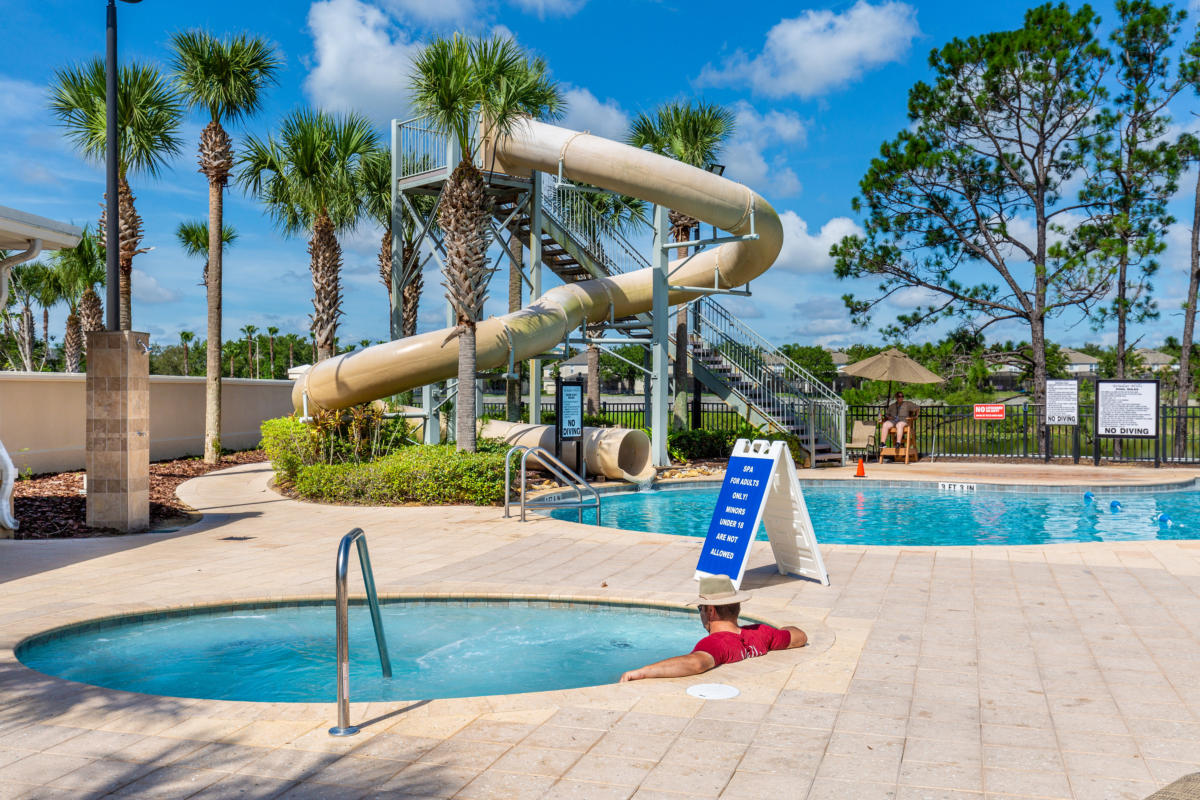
(862, 439)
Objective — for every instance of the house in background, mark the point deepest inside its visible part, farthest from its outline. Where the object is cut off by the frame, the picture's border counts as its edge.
(1081, 365)
(1155, 362)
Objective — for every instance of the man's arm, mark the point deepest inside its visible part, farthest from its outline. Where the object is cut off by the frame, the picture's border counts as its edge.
(799, 637)
(677, 667)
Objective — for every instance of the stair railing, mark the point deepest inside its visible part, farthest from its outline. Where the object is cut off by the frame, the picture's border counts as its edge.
(588, 227)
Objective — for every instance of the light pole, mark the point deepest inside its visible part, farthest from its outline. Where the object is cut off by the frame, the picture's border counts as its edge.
(112, 238)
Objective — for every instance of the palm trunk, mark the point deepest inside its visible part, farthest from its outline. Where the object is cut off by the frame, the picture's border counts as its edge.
(212, 366)
(682, 226)
(187, 364)
(385, 263)
(411, 297)
(72, 342)
(291, 354)
(593, 379)
(46, 328)
(464, 407)
(271, 352)
(130, 230)
(25, 338)
(326, 264)
(92, 313)
(512, 385)
(1183, 381)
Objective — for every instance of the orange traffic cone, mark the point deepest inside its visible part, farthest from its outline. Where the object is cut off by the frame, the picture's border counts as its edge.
(860, 473)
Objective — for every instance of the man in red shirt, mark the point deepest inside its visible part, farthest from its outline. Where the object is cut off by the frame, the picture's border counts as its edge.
(726, 642)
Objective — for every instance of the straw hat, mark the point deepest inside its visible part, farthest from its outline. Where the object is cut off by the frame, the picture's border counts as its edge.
(717, 590)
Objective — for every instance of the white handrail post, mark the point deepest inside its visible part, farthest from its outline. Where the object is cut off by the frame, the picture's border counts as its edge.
(658, 347)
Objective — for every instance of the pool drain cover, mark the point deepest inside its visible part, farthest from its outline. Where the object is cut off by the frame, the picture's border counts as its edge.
(713, 691)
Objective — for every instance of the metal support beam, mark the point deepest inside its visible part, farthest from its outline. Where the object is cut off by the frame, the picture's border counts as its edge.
(535, 291)
(659, 387)
(396, 316)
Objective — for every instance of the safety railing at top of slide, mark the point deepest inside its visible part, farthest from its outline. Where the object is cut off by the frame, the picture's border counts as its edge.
(354, 537)
(559, 470)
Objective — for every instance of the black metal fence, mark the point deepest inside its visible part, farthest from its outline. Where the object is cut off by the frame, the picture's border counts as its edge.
(953, 432)
(714, 416)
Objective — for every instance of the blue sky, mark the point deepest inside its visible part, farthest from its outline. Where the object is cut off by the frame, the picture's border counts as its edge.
(816, 88)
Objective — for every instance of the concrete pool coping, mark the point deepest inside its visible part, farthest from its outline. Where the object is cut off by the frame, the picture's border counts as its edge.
(1033, 671)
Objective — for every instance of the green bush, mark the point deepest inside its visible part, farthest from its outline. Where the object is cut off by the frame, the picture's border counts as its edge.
(425, 474)
(290, 445)
(688, 445)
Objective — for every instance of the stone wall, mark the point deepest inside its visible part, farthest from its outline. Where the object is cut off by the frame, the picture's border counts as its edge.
(43, 416)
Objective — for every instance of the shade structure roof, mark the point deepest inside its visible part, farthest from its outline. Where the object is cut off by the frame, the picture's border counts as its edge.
(891, 365)
(18, 229)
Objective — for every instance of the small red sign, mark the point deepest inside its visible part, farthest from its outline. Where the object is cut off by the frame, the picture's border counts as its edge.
(994, 411)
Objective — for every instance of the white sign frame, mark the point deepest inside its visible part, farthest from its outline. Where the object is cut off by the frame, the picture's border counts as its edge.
(1062, 401)
(783, 512)
(1108, 407)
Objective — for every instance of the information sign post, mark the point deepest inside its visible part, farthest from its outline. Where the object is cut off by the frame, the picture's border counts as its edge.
(761, 486)
(568, 420)
(1126, 410)
(1062, 408)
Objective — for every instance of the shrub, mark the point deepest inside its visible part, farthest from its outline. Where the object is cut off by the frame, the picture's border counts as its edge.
(686, 445)
(425, 474)
(290, 445)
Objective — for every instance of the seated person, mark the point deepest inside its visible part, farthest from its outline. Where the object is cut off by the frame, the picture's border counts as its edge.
(726, 642)
(896, 417)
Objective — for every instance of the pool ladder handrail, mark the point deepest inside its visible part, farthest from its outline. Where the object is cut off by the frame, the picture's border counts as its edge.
(558, 469)
(356, 536)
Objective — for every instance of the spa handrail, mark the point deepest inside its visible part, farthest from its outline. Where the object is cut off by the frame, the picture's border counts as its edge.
(356, 536)
(558, 469)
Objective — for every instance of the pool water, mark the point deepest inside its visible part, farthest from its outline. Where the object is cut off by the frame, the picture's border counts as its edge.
(437, 649)
(889, 515)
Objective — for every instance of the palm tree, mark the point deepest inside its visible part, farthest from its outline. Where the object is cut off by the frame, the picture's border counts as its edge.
(192, 236)
(24, 282)
(148, 114)
(249, 332)
(48, 291)
(310, 181)
(456, 81)
(90, 252)
(185, 339)
(226, 78)
(272, 332)
(693, 134)
(76, 271)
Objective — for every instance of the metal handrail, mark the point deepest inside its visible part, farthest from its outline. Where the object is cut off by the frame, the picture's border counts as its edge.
(356, 536)
(565, 475)
(587, 226)
(784, 391)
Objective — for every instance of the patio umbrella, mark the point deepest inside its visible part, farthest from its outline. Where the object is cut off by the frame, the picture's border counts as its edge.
(891, 366)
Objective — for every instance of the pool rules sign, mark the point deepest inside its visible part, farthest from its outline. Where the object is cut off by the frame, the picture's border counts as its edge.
(761, 486)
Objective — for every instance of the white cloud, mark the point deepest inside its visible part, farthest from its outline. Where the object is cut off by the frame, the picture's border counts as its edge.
(820, 316)
(586, 113)
(20, 99)
(362, 60)
(755, 133)
(819, 51)
(806, 252)
(146, 289)
(432, 10)
(550, 8)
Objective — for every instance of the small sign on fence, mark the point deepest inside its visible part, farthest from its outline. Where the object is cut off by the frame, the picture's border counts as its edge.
(1062, 402)
(989, 411)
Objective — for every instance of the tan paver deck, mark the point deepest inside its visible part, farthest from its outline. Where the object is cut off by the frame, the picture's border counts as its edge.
(1065, 671)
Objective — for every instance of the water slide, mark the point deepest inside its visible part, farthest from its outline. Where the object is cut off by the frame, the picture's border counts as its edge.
(393, 367)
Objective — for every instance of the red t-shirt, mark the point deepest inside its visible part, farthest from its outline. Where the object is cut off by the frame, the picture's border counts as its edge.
(727, 647)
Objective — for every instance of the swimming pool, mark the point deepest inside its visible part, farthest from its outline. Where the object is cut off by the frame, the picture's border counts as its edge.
(437, 648)
(924, 515)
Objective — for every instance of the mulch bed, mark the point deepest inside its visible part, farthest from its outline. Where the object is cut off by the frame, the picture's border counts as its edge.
(52, 506)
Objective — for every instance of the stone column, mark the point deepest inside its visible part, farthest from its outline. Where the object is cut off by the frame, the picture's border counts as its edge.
(118, 430)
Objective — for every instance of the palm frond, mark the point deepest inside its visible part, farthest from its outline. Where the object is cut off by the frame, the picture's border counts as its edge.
(224, 76)
(691, 133)
(192, 236)
(148, 114)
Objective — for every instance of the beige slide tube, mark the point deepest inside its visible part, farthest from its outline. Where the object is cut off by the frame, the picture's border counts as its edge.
(393, 367)
(619, 453)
